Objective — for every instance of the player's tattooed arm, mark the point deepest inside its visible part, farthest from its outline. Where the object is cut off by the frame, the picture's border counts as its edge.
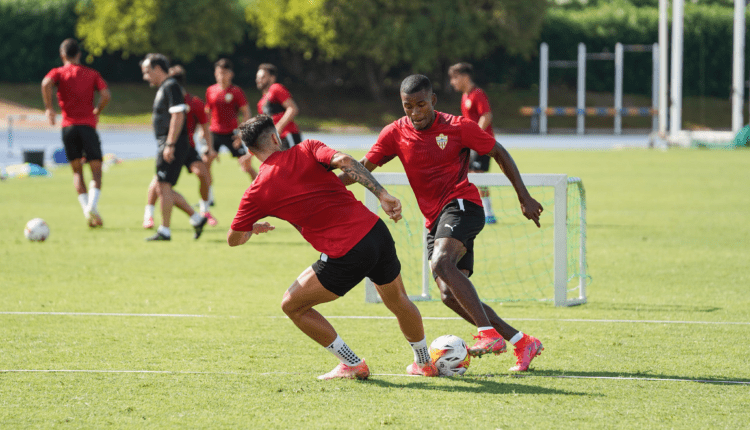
(357, 172)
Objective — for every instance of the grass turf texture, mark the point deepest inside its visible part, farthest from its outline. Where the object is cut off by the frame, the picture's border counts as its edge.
(666, 242)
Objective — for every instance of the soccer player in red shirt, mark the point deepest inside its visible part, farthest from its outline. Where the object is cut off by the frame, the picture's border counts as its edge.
(76, 85)
(224, 101)
(278, 103)
(434, 149)
(476, 106)
(297, 185)
(195, 114)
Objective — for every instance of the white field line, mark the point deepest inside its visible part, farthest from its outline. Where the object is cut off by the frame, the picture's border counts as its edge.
(178, 372)
(107, 314)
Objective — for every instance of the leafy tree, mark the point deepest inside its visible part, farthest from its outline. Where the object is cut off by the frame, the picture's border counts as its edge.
(180, 29)
(375, 36)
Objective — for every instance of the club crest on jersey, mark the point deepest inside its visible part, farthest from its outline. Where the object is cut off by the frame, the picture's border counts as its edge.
(467, 104)
(442, 140)
(228, 97)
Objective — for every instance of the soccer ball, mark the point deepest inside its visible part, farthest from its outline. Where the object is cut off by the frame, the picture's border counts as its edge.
(36, 230)
(450, 355)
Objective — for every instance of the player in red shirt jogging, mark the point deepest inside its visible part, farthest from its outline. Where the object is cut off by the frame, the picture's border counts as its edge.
(434, 149)
(76, 85)
(223, 102)
(278, 103)
(195, 115)
(297, 185)
(476, 106)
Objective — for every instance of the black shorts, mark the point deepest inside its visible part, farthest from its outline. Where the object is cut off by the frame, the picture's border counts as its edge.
(192, 157)
(80, 141)
(228, 141)
(290, 140)
(374, 257)
(479, 163)
(461, 220)
(170, 172)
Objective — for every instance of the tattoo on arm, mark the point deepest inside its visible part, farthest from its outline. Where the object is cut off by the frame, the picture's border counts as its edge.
(359, 173)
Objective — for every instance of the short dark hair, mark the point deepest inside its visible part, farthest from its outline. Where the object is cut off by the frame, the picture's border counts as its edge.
(69, 48)
(155, 59)
(178, 73)
(253, 130)
(224, 63)
(269, 68)
(416, 83)
(462, 69)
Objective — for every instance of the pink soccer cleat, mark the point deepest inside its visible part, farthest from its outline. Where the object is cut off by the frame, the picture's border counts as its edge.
(211, 220)
(487, 344)
(428, 369)
(526, 349)
(360, 371)
(148, 223)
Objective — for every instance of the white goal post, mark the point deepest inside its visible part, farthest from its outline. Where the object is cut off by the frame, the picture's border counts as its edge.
(561, 279)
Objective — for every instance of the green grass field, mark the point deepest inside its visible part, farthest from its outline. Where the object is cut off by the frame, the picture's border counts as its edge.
(104, 330)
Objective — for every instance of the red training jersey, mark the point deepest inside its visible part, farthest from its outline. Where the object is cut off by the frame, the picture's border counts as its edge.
(436, 159)
(271, 104)
(196, 115)
(474, 105)
(224, 105)
(297, 185)
(76, 85)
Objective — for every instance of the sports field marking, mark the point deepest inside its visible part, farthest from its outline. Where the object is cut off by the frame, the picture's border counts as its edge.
(107, 314)
(555, 320)
(469, 377)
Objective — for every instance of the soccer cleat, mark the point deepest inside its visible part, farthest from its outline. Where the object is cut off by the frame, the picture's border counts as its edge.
(199, 228)
(490, 219)
(526, 349)
(94, 219)
(360, 371)
(428, 369)
(487, 344)
(148, 223)
(158, 237)
(211, 220)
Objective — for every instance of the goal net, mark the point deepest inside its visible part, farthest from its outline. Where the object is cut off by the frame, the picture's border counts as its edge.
(513, 259)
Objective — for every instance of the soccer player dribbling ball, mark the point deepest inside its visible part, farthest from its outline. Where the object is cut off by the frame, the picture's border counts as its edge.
(76, 85)
(433, 147)
(297, 185)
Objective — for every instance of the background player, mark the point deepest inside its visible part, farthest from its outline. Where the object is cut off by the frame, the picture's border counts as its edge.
(194, 115)
(297, 185)
(433, 147)
(476, 106)
(224, 101)
(277, 102)
(76, 85)
(171, 137)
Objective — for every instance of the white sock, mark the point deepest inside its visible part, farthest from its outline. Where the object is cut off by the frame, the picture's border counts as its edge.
(164, 230)
(421, 352)
(518, 336)
(481, 329)
(149, 211)
(204, 205)
(340, 349)
(210, 193)
(93, 198)
(83, 199)
(195, 219)
(487, 203)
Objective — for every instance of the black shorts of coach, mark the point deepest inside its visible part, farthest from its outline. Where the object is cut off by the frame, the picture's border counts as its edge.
(373, 257)
(170, 172)
(228, 141)
(461, 220)
(479, 163)
(192, 157)
(80, 141)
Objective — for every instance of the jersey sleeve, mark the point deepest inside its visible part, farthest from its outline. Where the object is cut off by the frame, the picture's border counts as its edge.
(198, 109)
(279, 93)
(475, 138)
(322, 153)
(247, 214)
(175, 98)
(99, 82)
(239, 97)
(383, 150)
(54, 75)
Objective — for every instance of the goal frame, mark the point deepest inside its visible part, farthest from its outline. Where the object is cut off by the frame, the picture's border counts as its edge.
(559, 182)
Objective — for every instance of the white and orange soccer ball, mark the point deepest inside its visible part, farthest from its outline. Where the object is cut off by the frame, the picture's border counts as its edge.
(36, 230)
(450, 355)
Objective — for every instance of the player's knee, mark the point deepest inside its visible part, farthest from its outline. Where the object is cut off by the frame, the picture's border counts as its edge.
(442, 265)
(288, 306)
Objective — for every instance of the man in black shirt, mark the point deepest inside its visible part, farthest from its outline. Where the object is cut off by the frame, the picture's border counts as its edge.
(171, 136)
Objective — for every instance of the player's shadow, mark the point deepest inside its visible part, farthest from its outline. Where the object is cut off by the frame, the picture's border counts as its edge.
(638, 376)
(473, 384)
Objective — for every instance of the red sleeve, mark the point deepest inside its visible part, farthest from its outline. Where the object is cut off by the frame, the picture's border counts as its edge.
(322, 153)
(279, 93)
(208, 99)
(239, 97)
(475, 138)
(199, 110)
(383, 150)
(100, 83)
(247, 214)
(54, 74)
(482, 103)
